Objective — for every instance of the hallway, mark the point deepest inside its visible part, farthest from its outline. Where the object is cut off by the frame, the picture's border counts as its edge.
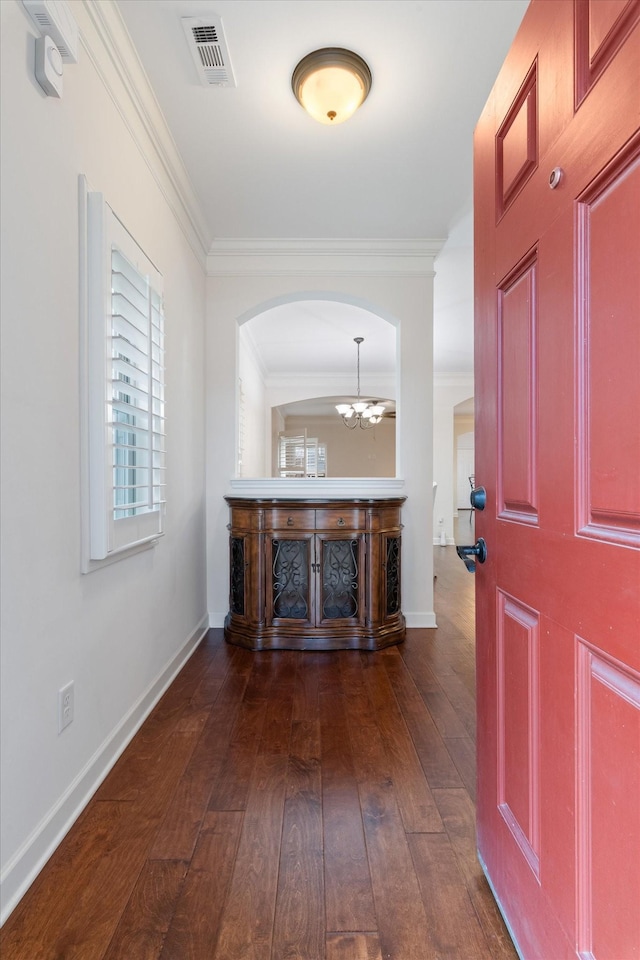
(286, 805)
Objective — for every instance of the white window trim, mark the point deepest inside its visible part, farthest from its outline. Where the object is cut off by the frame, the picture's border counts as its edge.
(107, 537)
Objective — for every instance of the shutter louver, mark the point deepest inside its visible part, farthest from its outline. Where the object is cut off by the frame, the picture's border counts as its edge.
(292, 455)
(137, 397)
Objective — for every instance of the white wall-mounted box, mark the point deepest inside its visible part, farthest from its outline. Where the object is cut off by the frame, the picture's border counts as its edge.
(54, 18)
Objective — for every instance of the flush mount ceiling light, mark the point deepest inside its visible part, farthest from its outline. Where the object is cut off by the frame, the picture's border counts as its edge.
(360, 413)
(331, 83)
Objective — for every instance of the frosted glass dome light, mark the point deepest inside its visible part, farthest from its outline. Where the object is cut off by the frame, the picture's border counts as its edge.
(331, 84)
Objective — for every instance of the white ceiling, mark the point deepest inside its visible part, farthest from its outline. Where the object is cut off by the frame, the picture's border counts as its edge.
(400, 169)
(283, 337)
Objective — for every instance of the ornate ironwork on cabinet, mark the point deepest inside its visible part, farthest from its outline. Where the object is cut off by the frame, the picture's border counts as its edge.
(314, 574)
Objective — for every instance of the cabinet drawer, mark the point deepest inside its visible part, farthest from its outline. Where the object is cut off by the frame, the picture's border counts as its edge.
(244, 520)
(279, 518)
(387, 518)
(340, 518)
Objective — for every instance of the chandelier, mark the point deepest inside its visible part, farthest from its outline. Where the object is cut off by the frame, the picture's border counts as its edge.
(362, 413)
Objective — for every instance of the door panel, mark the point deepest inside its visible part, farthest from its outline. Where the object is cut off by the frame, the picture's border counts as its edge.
(601, 27)
(557, 220)
(609, 378)
(608, 822)
(517, 141)
(518, 772)
(517, 378)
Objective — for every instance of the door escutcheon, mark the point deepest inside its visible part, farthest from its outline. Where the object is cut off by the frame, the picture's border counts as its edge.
(478, 498)
(467, 554)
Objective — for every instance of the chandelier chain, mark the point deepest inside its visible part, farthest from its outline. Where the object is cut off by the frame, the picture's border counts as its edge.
(363, 414)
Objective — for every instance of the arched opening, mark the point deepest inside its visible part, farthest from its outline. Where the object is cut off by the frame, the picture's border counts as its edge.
(296, 361)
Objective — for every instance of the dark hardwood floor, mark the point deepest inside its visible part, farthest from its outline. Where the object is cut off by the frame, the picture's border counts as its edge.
(286, 806)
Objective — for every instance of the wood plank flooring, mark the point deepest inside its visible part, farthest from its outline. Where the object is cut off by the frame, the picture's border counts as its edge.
(286, 806)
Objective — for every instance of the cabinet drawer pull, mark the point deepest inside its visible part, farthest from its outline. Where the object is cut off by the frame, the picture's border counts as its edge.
(341, 522)
(289, 521)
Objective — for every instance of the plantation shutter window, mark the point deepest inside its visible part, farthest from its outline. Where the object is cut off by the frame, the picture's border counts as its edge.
(301, 456)
(291, 455)
(126, 388)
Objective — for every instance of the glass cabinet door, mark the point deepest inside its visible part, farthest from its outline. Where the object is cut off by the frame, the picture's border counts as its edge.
(391, 577)
(237, 585)
(289, 592)
(339, 569)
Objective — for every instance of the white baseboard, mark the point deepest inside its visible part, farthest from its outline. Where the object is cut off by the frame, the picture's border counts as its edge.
(216, 619)
(29, 860)
(426, 619)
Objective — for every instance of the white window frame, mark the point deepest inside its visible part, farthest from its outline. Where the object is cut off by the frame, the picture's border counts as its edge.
(124, 422)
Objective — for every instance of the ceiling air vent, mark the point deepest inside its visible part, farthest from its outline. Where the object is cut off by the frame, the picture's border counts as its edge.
(209, 51)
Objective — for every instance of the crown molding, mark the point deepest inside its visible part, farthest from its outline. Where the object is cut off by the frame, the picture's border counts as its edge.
(318, 247)
(110, 49)
(306, 257)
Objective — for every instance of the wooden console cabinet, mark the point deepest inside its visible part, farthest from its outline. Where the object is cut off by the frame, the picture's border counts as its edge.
(314, 574)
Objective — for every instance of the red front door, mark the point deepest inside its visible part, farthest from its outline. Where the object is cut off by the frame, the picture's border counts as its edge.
(557, 214)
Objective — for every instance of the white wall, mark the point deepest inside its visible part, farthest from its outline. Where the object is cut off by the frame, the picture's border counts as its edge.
(453, 376)
(256, 427)
(447, 393)
(352, 453)
(120, 632)
(396, 282)
(464, 459)
(453, 300)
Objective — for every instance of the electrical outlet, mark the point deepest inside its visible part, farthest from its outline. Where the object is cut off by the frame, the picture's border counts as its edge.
(65, 706)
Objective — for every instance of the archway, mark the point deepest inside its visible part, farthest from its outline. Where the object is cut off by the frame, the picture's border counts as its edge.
(296, 360)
